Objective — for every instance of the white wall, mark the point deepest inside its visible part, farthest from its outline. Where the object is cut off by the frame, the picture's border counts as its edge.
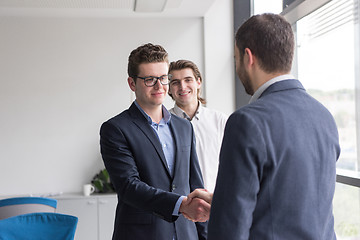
(219, 56)
(61, 78)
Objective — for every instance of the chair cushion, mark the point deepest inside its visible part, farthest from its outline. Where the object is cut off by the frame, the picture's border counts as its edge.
(39, 226)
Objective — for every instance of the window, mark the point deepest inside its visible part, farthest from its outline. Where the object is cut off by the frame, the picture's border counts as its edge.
(326, 68)
(269, 6)
(346, 212)
(327, 46)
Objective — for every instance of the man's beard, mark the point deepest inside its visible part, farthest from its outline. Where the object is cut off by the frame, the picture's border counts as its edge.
(245, 80)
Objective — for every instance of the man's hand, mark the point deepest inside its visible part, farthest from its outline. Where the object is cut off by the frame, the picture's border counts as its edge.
(196, 209)
(201, 193)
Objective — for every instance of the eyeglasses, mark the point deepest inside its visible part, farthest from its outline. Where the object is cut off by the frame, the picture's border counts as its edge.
(151, 81)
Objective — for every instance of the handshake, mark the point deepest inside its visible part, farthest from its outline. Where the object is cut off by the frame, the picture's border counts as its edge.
(196, 206)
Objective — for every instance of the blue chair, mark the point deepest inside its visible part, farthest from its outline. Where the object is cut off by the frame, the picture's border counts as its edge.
(21, 205)
(38, 226)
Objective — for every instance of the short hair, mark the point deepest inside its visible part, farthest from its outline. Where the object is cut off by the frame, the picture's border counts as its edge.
(182, 64)
(270, 38)
(147, 53)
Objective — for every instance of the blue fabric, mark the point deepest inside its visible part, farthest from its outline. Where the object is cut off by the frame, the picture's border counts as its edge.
(163, 132)
(28, 200)
(277, 169)
(167, 142)
(38, 226)
(147, 192)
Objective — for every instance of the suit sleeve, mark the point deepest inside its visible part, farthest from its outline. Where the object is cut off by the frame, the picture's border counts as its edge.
(124, 174)
(241, 162)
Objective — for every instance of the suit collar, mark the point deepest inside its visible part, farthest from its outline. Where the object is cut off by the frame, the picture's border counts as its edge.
(268, 83)
(282, 86)
(165, 112)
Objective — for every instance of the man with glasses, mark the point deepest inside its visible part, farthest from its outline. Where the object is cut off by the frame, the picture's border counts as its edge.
(151, 159)
(209, 124)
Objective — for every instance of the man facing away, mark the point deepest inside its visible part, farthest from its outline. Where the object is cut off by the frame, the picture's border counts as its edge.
(151, 159)
(277, 170)
(209, 124)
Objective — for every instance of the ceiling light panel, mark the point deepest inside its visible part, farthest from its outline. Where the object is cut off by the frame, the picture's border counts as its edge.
(112, 4)
(149, 6)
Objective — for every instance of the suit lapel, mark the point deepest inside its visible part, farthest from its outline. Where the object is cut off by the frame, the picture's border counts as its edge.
(141, 122)
(175, 135)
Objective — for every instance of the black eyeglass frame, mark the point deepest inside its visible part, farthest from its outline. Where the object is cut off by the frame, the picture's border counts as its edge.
(153, 80)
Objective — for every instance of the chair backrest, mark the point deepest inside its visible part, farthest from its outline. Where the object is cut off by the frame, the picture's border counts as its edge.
(21, 205)
(39, 226)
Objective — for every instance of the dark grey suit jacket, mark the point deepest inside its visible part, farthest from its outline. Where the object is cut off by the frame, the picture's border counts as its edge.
(146, 191)
(276, 176)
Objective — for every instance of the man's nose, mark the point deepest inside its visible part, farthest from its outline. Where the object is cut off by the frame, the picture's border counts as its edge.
(157, 84)
(182, 84)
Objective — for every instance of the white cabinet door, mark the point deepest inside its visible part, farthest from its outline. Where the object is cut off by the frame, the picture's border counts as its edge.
(86, 211)
(107, 208)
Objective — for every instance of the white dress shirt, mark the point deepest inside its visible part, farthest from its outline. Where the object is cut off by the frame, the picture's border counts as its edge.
(209, 128)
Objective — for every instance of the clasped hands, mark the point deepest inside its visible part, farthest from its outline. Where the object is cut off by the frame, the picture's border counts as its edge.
(196, 206)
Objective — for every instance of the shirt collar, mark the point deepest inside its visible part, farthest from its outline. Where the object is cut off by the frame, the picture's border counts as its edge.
(166, 114)
(267, 84)
(179, 112)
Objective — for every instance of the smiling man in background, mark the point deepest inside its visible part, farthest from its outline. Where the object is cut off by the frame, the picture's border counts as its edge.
(185, 90)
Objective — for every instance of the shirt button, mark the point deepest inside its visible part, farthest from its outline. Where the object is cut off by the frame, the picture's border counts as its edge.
(164, 145)
(173, 187)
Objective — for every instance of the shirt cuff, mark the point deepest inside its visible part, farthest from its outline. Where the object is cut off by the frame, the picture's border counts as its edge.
(177, 206)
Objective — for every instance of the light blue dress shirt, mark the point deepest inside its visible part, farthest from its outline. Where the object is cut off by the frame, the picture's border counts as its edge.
(162, 130)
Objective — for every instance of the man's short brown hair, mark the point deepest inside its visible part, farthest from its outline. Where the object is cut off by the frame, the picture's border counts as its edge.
(147, 53)
(270, 38)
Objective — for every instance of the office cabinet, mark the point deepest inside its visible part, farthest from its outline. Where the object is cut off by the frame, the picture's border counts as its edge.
(96, 214)
(106, 217)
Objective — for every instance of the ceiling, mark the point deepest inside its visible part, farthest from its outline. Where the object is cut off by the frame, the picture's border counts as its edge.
(104, 8)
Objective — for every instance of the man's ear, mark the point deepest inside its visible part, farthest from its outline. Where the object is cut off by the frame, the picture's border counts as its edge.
(131, 83)
(248, 57)
(199, 83)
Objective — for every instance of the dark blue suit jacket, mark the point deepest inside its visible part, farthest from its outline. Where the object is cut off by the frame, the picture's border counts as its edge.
(277, 174)
(146, 191)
